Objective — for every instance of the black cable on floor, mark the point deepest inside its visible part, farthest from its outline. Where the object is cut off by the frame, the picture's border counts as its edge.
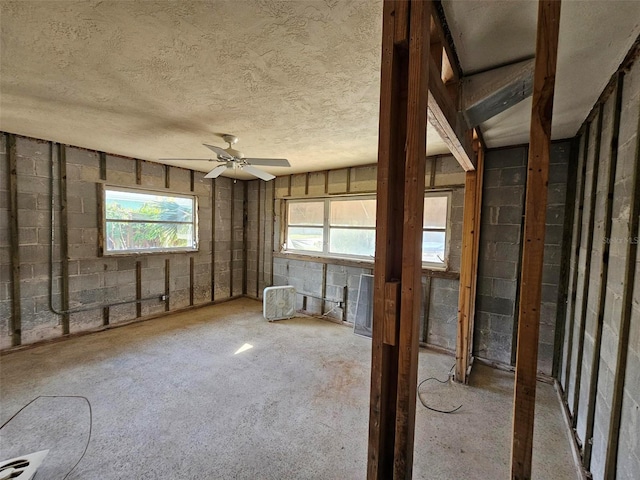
(86, 447)
(424, 404)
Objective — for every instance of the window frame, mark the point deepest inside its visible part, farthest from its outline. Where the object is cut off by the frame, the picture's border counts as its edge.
(444, 266)
(145, 251)
(447, 230)
(326, 227)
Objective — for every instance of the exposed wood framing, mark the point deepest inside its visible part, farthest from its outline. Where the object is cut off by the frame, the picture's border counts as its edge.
(138, 289)
(469, 268)
(245, 220)
(611, 462)
(533, 244)
(563, 284)
(191, 279)
(604, 275)
(232, 233)
(64, 239)
(103, 165)
(259, 239)
(167, 284)
(400, 203)
(575, 253)
(587, 267)
(323, 293)
(444, 85)
(12, 176)
(213, 239)
(426, 307)
(466, 278)
(138, 171)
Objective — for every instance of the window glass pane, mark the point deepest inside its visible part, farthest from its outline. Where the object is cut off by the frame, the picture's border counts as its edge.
(435, 212)
(123, 205)
(123, 236)
(433, 246)
(306, 213)
(348, 241)
(355, 213)
(304, 238)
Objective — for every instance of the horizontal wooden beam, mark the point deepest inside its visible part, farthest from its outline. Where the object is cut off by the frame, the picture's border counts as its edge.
(450, 124)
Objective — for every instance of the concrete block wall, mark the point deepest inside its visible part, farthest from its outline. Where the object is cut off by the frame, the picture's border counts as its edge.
(95, 281)
(601, 352)
(503, 196)
(311, 275)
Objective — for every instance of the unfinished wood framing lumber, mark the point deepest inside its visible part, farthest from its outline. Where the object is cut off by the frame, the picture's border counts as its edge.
(468, 270)
(466, 278)
(401, 174)
(15, 328)
(64, 239)
(533, 244)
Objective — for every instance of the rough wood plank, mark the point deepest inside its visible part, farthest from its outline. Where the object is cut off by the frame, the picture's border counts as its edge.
(476, 252)
(191, 279)
(138, 172)
(444, 117)
(103, 165)
(259, 239)
(138, 288)
(64, 239)
(245, 219)
(411, 283)
(15, 327)
(167, 284)
(388, 259)
(426, 308)
(466, 277)
(391, 312)
(533, 244)
(232, 229)
(213, 239)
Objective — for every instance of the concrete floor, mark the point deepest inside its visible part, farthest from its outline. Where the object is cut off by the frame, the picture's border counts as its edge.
(171, 399)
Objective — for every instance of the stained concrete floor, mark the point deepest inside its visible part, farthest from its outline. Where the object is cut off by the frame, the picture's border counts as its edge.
(174, 398)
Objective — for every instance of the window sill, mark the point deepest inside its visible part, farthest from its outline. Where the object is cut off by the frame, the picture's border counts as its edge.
(146, 252)
(352, 262)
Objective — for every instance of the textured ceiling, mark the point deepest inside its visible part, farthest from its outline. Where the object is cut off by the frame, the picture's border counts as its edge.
(293, 79)
(594, 38)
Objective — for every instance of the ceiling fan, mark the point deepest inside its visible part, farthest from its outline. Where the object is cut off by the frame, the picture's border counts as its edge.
(234, 159)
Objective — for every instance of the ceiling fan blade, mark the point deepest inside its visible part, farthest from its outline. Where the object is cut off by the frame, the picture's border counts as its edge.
(222, 154)
(216, 172)
(268, 162)
(187, 159)
(258, 173)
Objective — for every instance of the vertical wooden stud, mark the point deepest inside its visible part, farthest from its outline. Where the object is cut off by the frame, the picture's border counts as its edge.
(533, 241)
(64, 239)
(138, 288)
(15, 327)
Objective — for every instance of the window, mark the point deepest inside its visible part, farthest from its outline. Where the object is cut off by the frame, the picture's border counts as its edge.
(138, 221)
(346, 226)
(341, 227)
(434, 229)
